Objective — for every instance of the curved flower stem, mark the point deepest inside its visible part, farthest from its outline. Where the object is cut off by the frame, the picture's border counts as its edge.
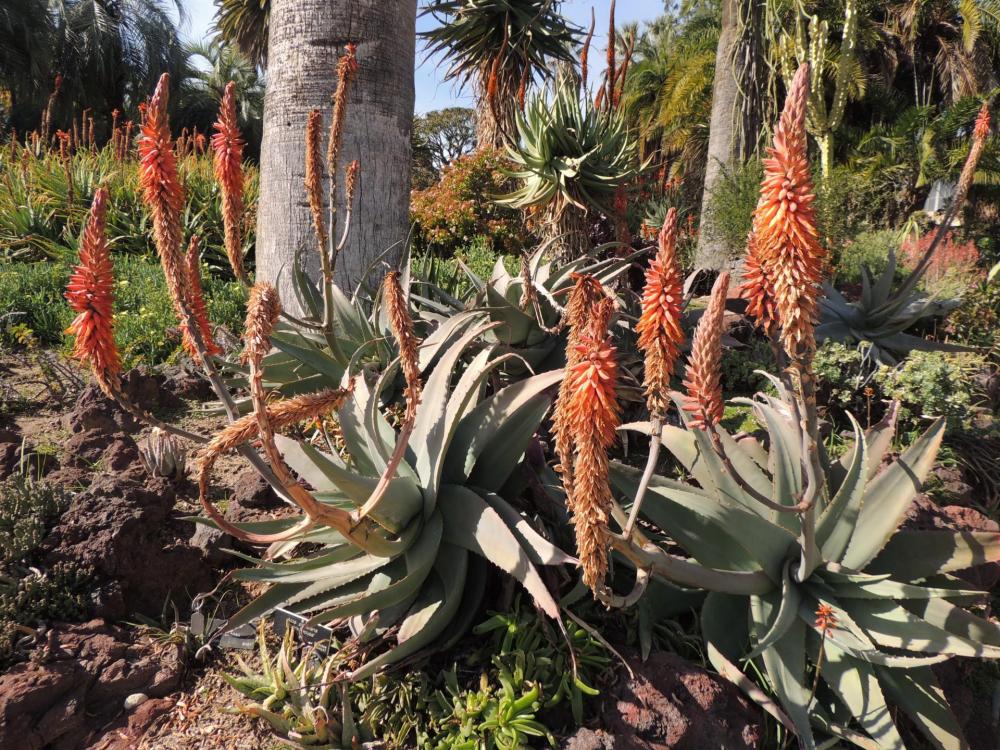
(144, 416)
(656, 437)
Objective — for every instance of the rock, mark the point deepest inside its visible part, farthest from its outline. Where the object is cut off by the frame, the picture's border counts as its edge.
(212, 542)
(95, 411)
(121, 529)
(954, 486)
(135, 700)
(251, 490)
(74, 685)
(674, 704)
(588, 739)
(147, 388)
(182, 382)
(10, 453)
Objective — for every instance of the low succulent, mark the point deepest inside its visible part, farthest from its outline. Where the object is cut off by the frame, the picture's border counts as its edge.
(843, 620)
(163, 455)
(883, 315)
(441, 520)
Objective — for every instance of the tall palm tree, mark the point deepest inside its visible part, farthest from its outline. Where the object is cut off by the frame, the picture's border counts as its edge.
(25, 50)
(500, 46)
(305, 38)
(244, 23)
(210, 67)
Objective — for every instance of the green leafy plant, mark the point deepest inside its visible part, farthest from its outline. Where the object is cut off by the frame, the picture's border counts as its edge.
(893, 605)
(934, 384)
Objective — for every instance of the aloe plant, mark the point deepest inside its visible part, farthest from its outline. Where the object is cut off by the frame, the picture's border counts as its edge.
(882, 315)
(422, 573)
(844, 618)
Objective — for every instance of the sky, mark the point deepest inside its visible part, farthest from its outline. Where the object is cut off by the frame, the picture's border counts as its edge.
(432, 92)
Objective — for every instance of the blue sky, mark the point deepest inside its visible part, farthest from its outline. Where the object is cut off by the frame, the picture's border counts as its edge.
(434, 93)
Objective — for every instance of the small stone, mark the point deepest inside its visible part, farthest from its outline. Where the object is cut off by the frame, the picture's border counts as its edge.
(134, 700)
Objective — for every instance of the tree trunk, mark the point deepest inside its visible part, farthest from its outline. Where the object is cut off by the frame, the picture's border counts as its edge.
(735, 122)
(305, 40)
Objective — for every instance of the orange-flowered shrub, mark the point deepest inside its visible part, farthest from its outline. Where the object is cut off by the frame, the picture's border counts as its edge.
(460, 207)
(953, 268)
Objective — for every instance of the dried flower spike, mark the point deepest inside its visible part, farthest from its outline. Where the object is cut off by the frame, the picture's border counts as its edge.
(402, 327)
(90, 293)
(227, 145)
(703, 375)
(314, 179)
(352, 181)
(347, 69)
(785, 228)
(659, 326)
(593, 415)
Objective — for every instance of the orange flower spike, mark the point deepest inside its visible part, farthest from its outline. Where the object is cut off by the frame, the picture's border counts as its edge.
(593, 415)
(161, 190)
(659, 327)
(198, 308)
(785, 226)
(758, 290)
(402, 327)
(90, 294)
(703, 375)
(826, 619)
(227, 145)
(980, 132)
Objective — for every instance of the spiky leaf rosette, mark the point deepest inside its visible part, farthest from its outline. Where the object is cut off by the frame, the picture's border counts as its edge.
(659, 326)
(90, 293)
(441, 521)
(569, 153)
(784, 224)
(227, 145)
(891, 605)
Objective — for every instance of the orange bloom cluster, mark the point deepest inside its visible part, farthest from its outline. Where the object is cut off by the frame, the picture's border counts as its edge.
(352, 181)
(227, 143)
(786, 241)
(162, 193)
(826, 619)
(90, 293)
(703, 375)
(758, 290)
(659, 327)
(593, 416)
(199, 310)
(588, 311)
(980, 133)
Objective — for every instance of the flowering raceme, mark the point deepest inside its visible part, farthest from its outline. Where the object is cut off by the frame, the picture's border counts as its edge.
(784, 226)
(199, 310)
(758, 291)
(703, 375)
(593, 416)
(90, 294)
(659, 327)
(227, 144)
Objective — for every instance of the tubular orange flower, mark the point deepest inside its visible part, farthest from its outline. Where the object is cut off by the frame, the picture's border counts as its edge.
(826, 619)
(227, 145)
(162, 193)
(980, 133)
(785, 228)
(90, 293)
(586, 312)
(703, 375)
(758, 290)
(199, 310)
(593, 415)
(659, 326)
(314, 179)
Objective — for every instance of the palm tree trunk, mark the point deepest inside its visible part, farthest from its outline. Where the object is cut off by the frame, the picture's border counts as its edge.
(735, 121)
(305, 39)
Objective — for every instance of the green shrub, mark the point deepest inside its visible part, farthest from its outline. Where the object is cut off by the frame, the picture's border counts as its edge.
(27, 511)
(843, 372)
(733, 203)
(867, 249)
(145, 325)
(740, 366)
(976, 321)
(450, 215)
(933, 384)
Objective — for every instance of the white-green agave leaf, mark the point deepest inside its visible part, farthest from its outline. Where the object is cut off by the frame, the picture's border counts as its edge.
(837, 521)
(472, 524)
(918, 693)
(787, 613)
(888, 497)
(914, 555)
(957, 621)
(539, 549)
